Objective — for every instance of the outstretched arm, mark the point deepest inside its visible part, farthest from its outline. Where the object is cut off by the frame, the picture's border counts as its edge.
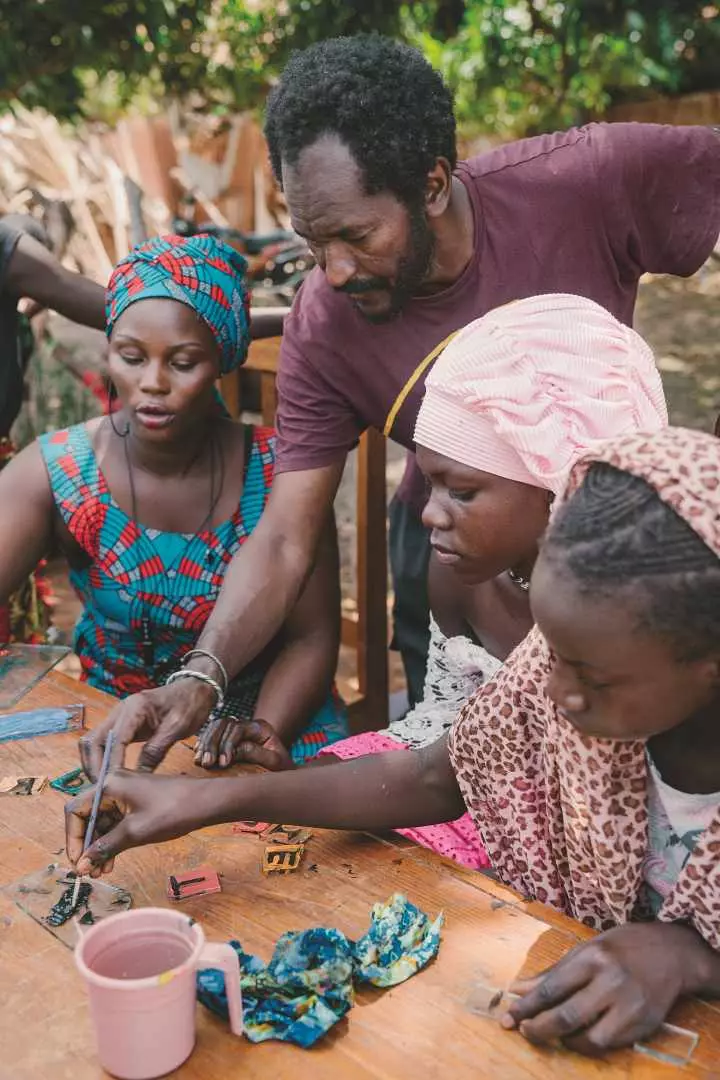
(379, 792)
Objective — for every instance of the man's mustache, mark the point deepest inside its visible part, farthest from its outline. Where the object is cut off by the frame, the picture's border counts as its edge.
(364, 285)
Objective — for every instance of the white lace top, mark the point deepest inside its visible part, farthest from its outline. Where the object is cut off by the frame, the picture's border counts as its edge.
(456, 668)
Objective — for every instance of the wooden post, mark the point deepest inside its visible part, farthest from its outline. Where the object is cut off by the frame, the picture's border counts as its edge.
(371, 713)
(268, 397)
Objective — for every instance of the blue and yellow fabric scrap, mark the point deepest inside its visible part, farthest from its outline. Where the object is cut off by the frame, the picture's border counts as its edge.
(309, 983)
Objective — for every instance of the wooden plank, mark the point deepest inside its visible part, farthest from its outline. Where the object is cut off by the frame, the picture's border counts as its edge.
(263, 355)
(268, 398)
(349, 630)
(424, 1028)
(372, 583)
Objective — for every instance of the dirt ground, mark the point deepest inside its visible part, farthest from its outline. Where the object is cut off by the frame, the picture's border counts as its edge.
(680, 319)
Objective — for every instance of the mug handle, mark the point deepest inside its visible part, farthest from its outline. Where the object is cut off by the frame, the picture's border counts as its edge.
(225, 959)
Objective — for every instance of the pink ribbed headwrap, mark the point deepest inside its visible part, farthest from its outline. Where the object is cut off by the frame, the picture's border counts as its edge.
(524, 391)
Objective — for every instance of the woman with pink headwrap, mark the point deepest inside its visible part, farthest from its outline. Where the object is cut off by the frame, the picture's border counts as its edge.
(510, 405)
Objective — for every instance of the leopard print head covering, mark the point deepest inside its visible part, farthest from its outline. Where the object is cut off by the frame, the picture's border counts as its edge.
(682, 466)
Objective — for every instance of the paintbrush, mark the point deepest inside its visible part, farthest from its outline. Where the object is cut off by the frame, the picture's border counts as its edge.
(94, 809)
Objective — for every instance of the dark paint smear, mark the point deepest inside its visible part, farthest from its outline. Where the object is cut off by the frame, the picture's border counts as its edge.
(65, 909)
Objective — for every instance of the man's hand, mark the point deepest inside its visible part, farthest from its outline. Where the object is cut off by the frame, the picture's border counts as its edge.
(135, 809)
(158, 717)
(226, 741)
(612, 991)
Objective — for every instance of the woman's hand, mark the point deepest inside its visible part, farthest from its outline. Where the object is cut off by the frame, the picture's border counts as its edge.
(614, 990)
(225, 742)
(159, 718)
(136, 809)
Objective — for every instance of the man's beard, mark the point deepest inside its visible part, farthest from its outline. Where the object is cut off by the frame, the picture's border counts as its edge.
(413, 268)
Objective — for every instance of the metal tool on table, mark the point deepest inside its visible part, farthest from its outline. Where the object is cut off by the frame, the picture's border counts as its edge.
(95, 809)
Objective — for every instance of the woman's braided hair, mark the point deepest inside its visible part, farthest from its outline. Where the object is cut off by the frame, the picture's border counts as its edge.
(616, 532)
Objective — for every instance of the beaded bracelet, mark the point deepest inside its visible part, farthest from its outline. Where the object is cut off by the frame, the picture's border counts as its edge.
(209, 656)
(188, 673)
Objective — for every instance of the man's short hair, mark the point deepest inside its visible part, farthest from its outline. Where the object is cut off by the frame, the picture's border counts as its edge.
(381, 98)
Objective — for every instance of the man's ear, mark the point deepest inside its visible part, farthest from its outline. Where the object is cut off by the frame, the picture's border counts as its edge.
(438, 188)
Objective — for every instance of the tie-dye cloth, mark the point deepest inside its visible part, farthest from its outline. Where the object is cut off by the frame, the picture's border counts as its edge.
(308, 985)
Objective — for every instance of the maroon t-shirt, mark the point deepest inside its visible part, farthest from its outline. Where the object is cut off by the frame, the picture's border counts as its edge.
(586, 211)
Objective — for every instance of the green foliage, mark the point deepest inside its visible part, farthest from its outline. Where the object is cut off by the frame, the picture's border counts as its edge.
(48, 47)
(516, 66)
(245, 45)
(72, 57)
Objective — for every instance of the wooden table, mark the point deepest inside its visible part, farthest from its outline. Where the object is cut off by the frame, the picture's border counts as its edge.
(421, 1029)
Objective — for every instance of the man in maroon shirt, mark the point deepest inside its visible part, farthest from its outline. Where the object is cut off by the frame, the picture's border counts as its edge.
(411, 246)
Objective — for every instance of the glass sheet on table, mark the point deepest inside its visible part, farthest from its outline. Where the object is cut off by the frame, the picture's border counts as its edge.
(22, 666)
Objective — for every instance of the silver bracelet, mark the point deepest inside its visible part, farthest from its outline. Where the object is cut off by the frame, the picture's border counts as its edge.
(188, 673)
(209, 656)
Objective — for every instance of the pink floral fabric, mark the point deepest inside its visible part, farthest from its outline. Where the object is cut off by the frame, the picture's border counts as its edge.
(564, 817)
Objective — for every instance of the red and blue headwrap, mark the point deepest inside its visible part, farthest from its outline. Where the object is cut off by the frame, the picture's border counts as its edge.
(199, 271)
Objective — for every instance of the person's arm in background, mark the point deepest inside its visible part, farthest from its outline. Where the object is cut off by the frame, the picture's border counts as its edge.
(34, 272)
(26, 518)
(659, 189)
(298, 681)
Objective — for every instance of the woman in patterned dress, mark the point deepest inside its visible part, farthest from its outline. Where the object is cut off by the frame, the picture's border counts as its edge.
(590, 764)
(150, 503)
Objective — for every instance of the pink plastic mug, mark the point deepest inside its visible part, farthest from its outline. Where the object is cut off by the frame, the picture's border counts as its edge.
(140, 967)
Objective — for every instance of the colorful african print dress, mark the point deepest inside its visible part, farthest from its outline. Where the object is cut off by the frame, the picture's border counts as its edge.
(138, 578)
